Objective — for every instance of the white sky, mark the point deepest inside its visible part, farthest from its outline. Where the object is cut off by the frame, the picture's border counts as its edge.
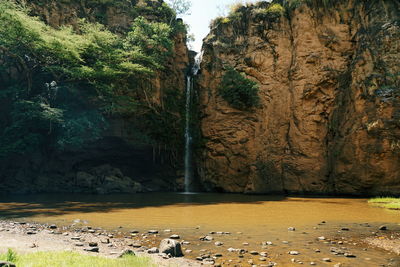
(201, 14)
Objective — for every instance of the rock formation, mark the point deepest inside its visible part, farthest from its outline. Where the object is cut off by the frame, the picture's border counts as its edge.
(329, 119)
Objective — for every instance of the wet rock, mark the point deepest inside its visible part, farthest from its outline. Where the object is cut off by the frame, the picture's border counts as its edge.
(136, 245)
(218, 244)
(93, 244)
(383, 228)
(153, 250)
(91, 249)
(206, 238)
(172, 247)
(294, 252)
(7, 264)
(175, 237)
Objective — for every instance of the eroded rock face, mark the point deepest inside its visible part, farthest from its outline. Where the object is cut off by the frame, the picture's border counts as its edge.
(330, 112)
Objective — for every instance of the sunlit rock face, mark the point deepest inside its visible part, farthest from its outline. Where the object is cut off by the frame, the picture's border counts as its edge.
(330, 109)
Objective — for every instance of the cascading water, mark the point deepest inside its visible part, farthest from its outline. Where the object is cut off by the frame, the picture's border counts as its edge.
(188, 137)
(188, 161)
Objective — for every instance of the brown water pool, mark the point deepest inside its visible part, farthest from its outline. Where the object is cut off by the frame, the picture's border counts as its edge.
(248, 219)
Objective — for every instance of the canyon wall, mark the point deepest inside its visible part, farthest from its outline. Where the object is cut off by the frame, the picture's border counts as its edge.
(329, 118)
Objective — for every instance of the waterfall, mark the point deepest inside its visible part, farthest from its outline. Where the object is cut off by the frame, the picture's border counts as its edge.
(188, 136)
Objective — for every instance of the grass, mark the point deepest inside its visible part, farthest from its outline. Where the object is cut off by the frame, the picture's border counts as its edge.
(68, 258)
(386, 202)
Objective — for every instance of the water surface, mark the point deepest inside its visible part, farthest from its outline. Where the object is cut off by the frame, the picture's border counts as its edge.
(257, 218)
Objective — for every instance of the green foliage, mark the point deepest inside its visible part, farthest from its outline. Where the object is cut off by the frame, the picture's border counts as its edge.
(239, 91)
(11, 255)
(181, 7)
(275, 9)
(386, 202)
(110, 72)
(68, 258)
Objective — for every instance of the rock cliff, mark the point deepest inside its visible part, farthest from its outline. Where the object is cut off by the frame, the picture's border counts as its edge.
(123, 159)
(329, 118)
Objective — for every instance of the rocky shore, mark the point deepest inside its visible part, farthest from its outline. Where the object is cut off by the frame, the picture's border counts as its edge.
(167, 248)
(32, 237)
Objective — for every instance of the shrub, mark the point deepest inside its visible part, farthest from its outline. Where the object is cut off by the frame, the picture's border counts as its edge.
(275, 9)
(239, 91)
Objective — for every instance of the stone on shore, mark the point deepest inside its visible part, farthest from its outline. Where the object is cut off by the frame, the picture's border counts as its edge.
(171, 247)
(7, 264)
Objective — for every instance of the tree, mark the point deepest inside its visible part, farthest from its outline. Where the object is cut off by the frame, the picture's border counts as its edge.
(181, 7)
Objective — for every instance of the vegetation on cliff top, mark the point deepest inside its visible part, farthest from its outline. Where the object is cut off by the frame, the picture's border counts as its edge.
(239, 91)
(56, 85)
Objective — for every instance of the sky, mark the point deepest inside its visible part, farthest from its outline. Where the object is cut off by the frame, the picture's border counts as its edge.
(201, 14)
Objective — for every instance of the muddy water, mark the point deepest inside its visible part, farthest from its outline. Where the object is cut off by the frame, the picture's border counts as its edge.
(249, 219)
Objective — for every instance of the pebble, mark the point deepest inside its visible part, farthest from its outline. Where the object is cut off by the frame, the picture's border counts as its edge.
(321, 238)
(294, 252)
(245, 244)
(105, 241)
(206, 238)
(218, 255)
(326, 259)
(317, 251)
(136, 245)
(263, 254)
(175, 237)
(218, 243)
(291, 229)
(91, 249)
(188, 251)
(167, 230)
(134, 231)
(349, 255)
(185, 243)
(93, 244)
(345, 229)
(153, 250)
(253, 252)
(153, 231)
(262, 259)
(383, 228)
(53, 226)
(313, 263)
(79, 244)
(75, 238)
(285, 242)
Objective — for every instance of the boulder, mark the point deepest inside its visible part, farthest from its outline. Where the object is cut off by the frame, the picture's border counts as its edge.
(172, 247)
(6, 264)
